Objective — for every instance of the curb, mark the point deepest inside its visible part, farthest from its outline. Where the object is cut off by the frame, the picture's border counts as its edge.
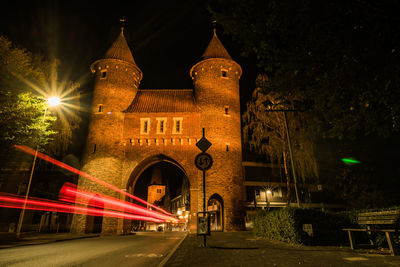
(165, 260)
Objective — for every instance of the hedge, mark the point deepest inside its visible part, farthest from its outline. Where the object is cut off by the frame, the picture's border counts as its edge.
(286, 225)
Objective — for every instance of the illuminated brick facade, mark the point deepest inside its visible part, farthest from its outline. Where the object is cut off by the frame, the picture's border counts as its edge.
(155, 193)
(132, 128)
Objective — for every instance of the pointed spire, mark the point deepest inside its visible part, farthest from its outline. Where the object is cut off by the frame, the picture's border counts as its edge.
(215, 48)
(122, 21)
(214, 23)
(120, 49)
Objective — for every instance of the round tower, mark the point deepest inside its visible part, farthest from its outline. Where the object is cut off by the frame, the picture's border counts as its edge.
(216, 86)
(116, 82)
(116, 78)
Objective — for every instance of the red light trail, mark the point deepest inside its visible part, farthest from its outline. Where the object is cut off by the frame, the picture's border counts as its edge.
(11, 201)
(88, 176)
(70, 193)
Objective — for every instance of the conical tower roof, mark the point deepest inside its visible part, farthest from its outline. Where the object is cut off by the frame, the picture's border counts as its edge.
(120, 50)
(216, 49)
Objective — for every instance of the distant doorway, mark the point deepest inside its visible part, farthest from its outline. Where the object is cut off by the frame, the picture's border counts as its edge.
(216, 209)
(94, 224)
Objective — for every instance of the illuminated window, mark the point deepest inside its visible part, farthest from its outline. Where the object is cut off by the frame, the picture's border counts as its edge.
(103, 74)
(144, 125)
(177, 128)
(161, 125)
(224, 73)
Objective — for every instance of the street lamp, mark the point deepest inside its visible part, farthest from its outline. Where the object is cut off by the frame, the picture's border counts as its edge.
(51, 102)
(284, 111)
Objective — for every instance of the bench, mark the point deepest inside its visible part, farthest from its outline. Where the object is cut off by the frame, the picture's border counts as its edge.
(380, 221)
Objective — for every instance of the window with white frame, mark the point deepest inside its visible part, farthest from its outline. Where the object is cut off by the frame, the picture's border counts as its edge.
(144, 125)
(161, 125)
(177, 128)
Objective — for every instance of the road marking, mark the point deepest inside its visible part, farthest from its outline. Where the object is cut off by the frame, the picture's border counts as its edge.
(151, 255)
(355, 259)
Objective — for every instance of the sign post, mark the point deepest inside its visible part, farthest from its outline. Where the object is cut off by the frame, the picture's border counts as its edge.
(203, 162)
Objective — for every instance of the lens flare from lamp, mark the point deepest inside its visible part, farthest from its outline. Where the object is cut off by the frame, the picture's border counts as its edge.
(53, 101)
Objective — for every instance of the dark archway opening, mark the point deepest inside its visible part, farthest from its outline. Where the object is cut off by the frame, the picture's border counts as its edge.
(165, 185)
(94, 224)
(216, 208)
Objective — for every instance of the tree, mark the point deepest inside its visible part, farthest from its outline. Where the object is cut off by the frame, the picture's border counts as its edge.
(23, 77)
(339, 58)
(265, 131)
(22, 120)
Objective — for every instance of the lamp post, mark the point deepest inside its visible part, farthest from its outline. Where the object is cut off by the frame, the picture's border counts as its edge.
(290, 149)
(51, 102)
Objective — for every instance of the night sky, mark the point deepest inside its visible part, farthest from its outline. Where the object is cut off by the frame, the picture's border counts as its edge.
(166, 38)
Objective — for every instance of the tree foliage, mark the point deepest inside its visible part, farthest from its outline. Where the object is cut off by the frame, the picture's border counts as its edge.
(22, 120)
(24, 78)
(266, 132)
(338, 57)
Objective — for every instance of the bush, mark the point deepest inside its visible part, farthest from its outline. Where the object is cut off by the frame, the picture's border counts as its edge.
(287, 225)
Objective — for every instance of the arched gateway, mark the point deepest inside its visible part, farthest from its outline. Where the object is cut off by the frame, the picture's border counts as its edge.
(133, 129)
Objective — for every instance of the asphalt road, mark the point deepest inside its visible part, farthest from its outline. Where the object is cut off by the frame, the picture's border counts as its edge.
(143, 249)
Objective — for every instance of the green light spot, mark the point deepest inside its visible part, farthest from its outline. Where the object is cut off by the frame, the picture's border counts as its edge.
(350, 161)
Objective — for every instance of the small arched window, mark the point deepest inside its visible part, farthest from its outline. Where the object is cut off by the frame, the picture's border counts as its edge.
(103, 74)
(224, 73)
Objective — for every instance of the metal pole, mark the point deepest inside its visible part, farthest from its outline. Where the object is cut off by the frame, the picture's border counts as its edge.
(204, 197)
(22, 214)
(204, 204)
(291, 159)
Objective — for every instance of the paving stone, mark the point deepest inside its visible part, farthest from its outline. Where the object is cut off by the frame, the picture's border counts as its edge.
(242, 249)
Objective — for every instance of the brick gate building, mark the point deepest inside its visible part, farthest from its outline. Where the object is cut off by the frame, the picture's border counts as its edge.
(132, 129)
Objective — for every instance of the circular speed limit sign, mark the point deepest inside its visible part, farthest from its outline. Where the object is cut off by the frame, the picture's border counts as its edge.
(203, 161)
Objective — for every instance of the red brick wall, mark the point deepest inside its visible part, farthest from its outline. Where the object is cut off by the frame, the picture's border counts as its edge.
(120, 158)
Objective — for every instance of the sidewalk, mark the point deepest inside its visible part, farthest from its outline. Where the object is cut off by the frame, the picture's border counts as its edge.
(7, 241)
(243, 249)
